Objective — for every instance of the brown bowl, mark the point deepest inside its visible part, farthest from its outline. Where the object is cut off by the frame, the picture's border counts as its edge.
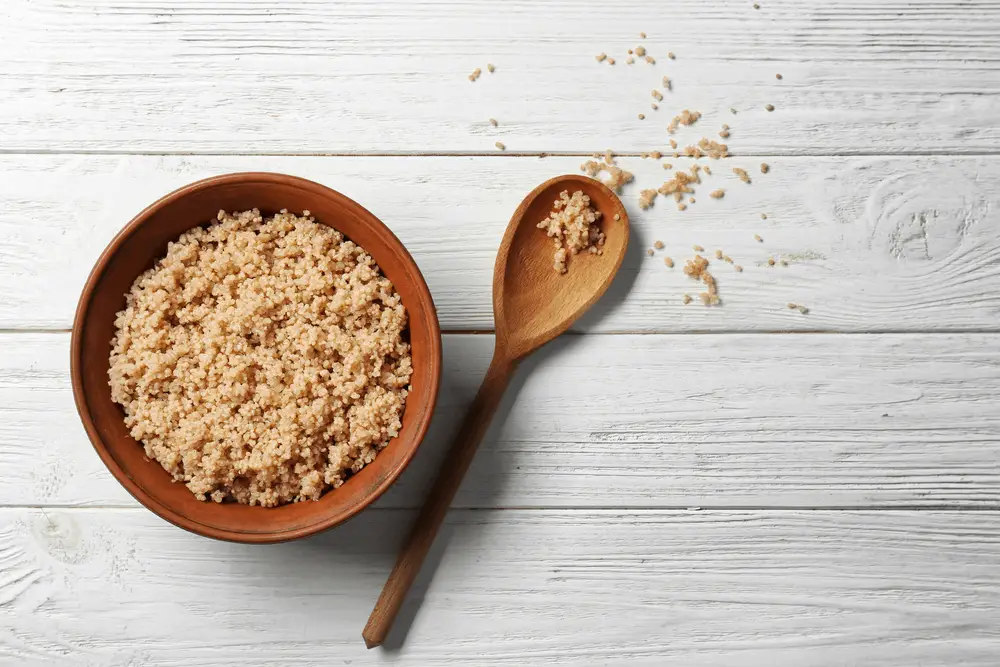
(136, 248)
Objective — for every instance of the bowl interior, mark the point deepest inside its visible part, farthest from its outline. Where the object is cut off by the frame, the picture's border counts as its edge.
(144, 241)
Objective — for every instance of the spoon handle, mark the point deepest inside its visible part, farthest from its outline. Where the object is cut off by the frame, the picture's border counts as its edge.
(456, 463)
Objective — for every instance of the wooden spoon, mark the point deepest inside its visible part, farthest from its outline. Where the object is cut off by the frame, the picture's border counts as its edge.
(532, 304)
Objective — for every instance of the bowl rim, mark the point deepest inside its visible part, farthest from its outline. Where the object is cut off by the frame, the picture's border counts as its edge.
(137, 491)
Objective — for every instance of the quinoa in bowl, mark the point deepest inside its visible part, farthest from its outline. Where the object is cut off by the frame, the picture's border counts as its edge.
(262, 360)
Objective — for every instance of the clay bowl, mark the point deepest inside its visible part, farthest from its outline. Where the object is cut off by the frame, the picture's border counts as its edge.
(136, 248)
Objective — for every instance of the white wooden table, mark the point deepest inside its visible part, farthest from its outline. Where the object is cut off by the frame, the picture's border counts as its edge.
(670, 484)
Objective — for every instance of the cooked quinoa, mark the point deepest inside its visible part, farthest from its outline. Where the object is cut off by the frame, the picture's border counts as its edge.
(573, 227)
(262, 360)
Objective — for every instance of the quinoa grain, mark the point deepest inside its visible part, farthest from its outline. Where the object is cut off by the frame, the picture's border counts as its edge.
(573, 227)
(260, 360)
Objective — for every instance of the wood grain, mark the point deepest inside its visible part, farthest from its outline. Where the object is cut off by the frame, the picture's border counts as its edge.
(545, 588)
(301, 76)
(874, 244)
(634, 421)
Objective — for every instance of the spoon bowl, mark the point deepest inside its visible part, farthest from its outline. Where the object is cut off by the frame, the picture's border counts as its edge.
(532, 304)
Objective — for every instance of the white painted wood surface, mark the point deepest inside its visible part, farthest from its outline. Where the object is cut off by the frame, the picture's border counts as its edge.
(293, 76)
(874, 244)
(649, 588)
(846, 460)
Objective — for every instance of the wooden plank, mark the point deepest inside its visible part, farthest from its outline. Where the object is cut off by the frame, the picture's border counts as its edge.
(818, 588)
(634, 421)
(874, 244)
(317, 77)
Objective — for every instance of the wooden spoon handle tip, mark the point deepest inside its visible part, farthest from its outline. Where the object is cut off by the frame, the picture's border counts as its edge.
(418, 544)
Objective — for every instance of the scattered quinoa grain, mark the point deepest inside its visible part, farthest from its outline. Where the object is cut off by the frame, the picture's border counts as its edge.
(617, 177)
(686, 117)
(657, 95)
(611, 61)
(764, 168)
(763, 216)
(793, 306)
(493, 122)
(682, 207)
(713, 149)
(756, 6)
(491, 68)
(784, 263)
(642, 116)
(757, 238)
(653, 106)
(501, 146)
(718, 254)
(640, 51)
(742, 173)
(769, 107)
(666, 82)
(770, 261)
(475, 74)
(630, 60)
(646, 198)
(803, 310)
(687, 299)
(724, 134)
(717, 194)
(778, 77)
(651, 60)
(600, 57)
(649, 252)
(669, 262)
(732, 111)
(738, 268)
(707, 170)
(658, 245)
(642, 35)
(670, 55)
(697, 248)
